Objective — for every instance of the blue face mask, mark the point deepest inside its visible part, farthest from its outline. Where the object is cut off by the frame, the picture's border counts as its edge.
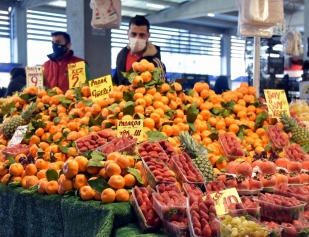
(59, 49)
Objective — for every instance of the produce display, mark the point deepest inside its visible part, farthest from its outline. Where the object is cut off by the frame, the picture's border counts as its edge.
(195, 144)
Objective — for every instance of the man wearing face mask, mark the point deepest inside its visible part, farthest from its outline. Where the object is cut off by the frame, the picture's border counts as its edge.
(56, 69)
(138, 48)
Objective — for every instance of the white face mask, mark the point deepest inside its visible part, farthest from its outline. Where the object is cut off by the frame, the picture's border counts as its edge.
(136, 44)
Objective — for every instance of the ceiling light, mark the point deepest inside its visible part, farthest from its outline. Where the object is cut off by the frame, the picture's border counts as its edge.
(155, 6)
(211, 14)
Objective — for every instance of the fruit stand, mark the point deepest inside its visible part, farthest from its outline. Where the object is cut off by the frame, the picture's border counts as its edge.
(71, 173)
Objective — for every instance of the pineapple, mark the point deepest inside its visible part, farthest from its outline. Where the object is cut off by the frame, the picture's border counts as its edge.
(195, 151)
(299, 134)
(11, 125)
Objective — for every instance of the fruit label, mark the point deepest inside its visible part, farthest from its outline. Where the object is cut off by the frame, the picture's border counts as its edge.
(277, 103)
(223, 199)
(18, 135)
(131, 127)
(77, 74)
(101, 87)
(34, 77)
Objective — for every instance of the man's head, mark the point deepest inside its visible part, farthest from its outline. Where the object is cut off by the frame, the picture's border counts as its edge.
(61, 43)
(138, 33)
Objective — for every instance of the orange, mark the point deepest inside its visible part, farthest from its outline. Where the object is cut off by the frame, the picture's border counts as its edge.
(41, 186)
(51, 187)
(86, 91)
(137, 81)
(70, 169)
(130, 180)
(3, 169)
(220, 125)
(155, 117)
(34, 139)
(31, 169)
(151, 91)
(149, 123)
(31, 181)
(41, 164)
(140, 90)
(93, 170)
(16, 169)
(79, 181)
(139, 165)
(41, 174)
(65, 185)
(116, 181)
(234, 128)
(122, 161)
(86, 193)
(82, 163)
(200, 86)
(108, 195)
(113, 169)
(168, 130)
(142, 66)
(139, 109)
(251, 90)
(122, 195)
(39, 132)
(260, 131)
(164, 88)
(146, 76)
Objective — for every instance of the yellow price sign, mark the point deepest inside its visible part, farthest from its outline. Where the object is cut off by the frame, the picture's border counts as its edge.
(223, 199)
(77, 74)
(277, 103)
(131, 127)
(100, 87)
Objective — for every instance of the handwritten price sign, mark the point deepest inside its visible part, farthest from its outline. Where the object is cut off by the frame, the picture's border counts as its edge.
(100, 87)
(18, 135)
(34, 77)
(77, 74)
(276, 102)
(131, 127)
(224, 198)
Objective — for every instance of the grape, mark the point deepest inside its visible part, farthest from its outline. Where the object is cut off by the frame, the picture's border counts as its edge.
(241, 227)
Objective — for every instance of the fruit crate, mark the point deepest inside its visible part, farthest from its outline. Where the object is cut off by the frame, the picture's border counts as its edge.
(169, 212)
(273, 139)
(140, 216)
(254, 212)
(292, 158)
(173, 230)
(16, 150)
(150, 177)
(226, 231)
(105, 135)
(190, 224)
(281, 213)
(298, 196)
(182, 178)
(300, 231)
(153, 149)
(128, 149)
(226, 154)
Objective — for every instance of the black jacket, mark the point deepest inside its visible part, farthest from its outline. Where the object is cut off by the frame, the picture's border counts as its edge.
(152, 54)
(16, 84)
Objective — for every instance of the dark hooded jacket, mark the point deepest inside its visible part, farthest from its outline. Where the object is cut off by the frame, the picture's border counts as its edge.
(16, 84)
(221, 85)
(152, 54)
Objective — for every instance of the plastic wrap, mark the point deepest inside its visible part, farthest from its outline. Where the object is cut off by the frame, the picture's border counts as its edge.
(251, 31)
(106, 14)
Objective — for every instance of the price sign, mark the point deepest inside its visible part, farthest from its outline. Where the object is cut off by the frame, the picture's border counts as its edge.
(224, 198)
(276, 102)
(18, 136)
(100, 87)
(77, 74)
(131, 127)
(34, 77)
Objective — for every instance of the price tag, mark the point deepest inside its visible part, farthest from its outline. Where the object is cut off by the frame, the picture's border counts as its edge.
(276, 102)
(77, 74)
(131, 127)
(224, 198)
(100, 87)
(34, 77)
(18, 135)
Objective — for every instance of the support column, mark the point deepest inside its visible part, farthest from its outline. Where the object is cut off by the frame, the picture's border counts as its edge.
(92, 45)
(19, 35)
(226, 57)
(306, 31)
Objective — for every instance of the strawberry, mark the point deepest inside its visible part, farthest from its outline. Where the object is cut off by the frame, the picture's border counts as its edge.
(194, 214)
(198, 232)
(209, 201)
(206, 231)
(202, 207)
(194, 207)
(196, 223)
(204, 215)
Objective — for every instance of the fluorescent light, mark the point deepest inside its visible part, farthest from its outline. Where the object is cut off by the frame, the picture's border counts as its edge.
(155, 6)
(211, 14)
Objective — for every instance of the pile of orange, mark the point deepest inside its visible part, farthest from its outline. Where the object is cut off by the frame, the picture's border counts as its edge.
(163, 108)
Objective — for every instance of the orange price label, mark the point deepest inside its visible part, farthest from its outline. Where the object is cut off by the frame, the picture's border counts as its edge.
(224, 198)
(34, 77)
(277, 103)
(131, 127)
(77, 74)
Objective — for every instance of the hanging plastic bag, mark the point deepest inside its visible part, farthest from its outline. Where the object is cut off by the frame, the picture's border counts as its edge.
(251, 31)
(106, 14)
(261, 12)
(292, 43)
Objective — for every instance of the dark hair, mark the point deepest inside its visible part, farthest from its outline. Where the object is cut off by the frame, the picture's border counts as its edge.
(221, 85)
(139, 21)
(64, 34)
(18, 71)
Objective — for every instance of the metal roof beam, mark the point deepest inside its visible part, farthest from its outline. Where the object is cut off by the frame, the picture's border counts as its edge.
(295, 20)
(163, 2)
(193, 9)
(35, 3)
(135, 9)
